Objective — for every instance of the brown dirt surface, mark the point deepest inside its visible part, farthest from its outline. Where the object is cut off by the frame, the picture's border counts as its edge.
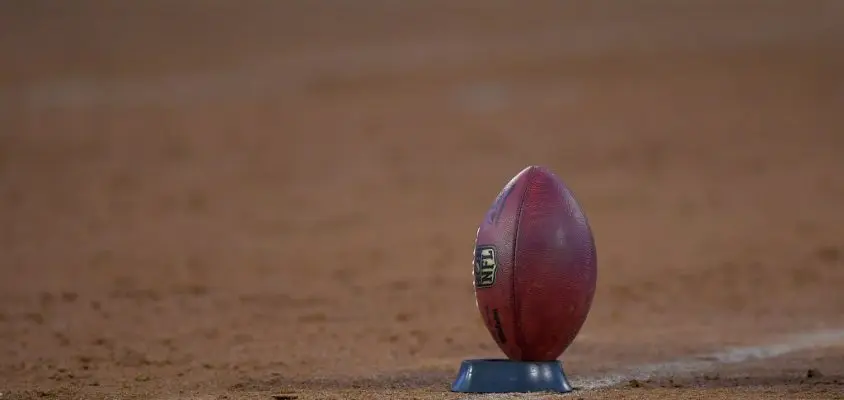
(238, 200)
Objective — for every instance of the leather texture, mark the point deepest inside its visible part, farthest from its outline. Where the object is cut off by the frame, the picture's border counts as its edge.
(545, 270)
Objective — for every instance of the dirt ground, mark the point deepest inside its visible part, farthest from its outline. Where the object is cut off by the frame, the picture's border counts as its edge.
(234, 200)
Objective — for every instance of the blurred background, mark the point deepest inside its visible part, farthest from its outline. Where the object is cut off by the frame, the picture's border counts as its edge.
(205, 194)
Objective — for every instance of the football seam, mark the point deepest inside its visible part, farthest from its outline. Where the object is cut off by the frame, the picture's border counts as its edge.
(516, 321)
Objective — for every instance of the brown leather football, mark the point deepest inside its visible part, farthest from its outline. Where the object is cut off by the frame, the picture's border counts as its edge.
(535, 267)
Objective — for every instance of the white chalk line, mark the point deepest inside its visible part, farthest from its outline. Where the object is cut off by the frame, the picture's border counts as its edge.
(692, 365)
(709, 362)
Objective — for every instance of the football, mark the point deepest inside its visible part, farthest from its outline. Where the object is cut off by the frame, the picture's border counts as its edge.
(535, 267)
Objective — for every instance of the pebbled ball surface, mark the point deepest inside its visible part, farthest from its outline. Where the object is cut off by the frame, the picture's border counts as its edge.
(535, 267)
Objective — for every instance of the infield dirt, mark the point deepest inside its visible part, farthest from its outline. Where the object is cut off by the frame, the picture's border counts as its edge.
(211, 200)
